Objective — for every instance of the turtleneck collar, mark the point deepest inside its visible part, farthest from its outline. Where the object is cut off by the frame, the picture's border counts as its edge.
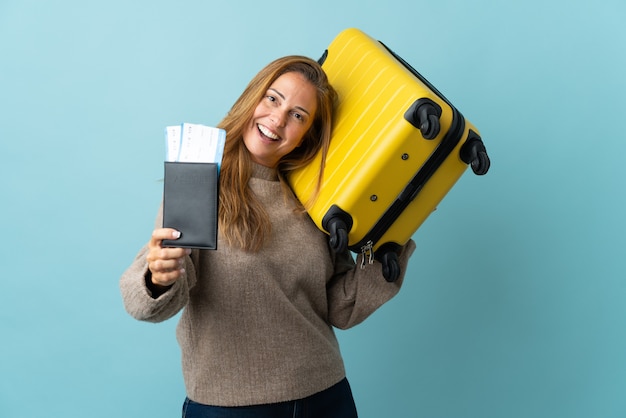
(264, 173)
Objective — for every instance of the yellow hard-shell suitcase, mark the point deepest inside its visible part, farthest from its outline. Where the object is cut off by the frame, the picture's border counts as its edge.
(398, 146)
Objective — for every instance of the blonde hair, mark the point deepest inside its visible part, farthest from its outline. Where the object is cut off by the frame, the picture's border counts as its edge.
(242, 219)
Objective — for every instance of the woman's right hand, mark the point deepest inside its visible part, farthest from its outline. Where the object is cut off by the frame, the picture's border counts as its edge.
(165, 264)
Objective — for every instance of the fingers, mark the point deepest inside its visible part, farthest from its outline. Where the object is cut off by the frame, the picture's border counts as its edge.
(160, 234)
(165, 264)
(166, 277)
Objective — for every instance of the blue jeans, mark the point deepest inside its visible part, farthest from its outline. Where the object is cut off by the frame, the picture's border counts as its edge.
(334, 402)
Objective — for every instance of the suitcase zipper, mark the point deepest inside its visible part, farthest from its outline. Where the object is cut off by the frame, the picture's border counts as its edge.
(368, 253)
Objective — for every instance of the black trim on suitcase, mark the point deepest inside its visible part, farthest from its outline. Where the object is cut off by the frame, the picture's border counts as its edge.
(443, 150)
(338, 222)
(473, 151)
(416, 74)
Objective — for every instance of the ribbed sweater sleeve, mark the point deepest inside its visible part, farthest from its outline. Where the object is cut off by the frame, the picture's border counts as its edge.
(137, 298)
(356, 293)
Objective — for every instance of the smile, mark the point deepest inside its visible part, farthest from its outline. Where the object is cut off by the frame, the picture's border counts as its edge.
(267, 133)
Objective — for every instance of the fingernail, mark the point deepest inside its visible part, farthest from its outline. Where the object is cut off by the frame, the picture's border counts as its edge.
(176, 234)
(188, 251)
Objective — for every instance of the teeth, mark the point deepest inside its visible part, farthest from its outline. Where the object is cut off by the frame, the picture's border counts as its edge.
(267, 133)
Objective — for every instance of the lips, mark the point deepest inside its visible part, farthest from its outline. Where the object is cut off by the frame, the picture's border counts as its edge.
(267, 133)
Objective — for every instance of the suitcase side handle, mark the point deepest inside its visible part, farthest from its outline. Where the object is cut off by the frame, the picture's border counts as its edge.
(322, 59)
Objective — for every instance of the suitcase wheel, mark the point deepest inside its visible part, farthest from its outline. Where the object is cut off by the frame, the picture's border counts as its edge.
(338, 237)
(481, 163)
(337, 223)
(430, 127)
(424, 114)
(473, 152)
(387, 254)
(391, 266)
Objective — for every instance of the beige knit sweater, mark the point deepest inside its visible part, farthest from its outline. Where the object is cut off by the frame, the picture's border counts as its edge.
(258, 328)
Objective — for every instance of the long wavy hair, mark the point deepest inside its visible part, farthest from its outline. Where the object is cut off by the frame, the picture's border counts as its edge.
(242, 219)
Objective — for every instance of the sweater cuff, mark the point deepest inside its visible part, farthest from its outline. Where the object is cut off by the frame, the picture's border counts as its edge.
(154, 289)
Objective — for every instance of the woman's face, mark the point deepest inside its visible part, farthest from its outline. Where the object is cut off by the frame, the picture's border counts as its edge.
(281, 119)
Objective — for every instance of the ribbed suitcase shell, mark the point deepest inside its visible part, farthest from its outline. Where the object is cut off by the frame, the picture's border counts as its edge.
(375, 152)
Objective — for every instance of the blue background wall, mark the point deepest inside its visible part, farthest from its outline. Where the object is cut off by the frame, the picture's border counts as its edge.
(514, 301)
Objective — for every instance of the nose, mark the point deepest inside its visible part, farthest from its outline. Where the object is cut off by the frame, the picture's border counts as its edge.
(279, 118)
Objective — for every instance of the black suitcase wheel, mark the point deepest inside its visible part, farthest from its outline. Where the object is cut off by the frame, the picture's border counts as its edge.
(474, 153)
(391, 266)
(430, 126)
(424, 115)
(337, 223)
(481, 164)
(338, 237)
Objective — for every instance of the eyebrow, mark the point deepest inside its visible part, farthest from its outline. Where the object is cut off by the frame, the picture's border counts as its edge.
(283, 97)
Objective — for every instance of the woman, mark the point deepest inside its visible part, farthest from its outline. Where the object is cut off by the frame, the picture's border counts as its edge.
(256, 332)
